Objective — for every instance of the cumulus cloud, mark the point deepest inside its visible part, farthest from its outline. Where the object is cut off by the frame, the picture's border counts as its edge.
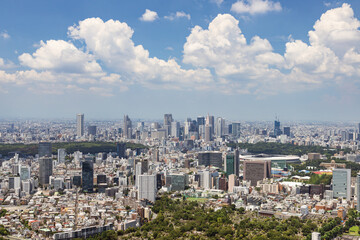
(119, 53)
(255, 6)
(219, 57)
(149, 16)
(60, 56)
(177, 15)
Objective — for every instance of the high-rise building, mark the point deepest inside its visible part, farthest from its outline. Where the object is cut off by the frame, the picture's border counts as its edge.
(210, 159)
(205, 180)
(358, 191)
(232, 162)
(147, 187)
(200, 121)
(277, 130)
(235, 128)
(45, 149)
(210, 122)
(61, 155)
(80, 125)
(220, 127)
(14, 183)
(45, 170)
(120, 149)
(208, 133)
(92, 130)
(256, 170)
(167, 123)
(341, 183)
(127, 132)
(175, 129)
(25, 172)
(287, 131)
(87, 176)
(315, 236)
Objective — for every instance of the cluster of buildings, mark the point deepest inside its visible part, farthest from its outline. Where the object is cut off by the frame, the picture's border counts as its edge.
(75, 194)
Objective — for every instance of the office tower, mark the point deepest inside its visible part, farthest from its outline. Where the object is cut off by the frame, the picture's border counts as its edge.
(138, 172)
(156, 155)
(92, 130)
(147, 187)
(144, 166)
(232, 162)
(80, 125)
(175, 129)
(231, 182)
(287, 131)
(208, 133)
(210, 122)
(87, 176)
(210, 159)
(45, 149)
(277, 130)
(341, 183)
(205, 180)
(167, 123)
(344, 135)
(127, 132)
(45, 170)
(220, 127)
(358, 191)
(27, 186)
(200, 121)
(14, 183)
(255, 171)
(120, 149)
(25, 172)
(235, 130)
(61, 155)
(76, 180)
(159, 183)
(176, 182)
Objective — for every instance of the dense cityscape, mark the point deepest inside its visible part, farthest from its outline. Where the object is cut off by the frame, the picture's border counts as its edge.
(191, 120)
(81, 179)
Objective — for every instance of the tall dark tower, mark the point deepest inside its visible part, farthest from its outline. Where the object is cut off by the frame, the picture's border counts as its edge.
(87, 176)
(127, 133)
(277, 130)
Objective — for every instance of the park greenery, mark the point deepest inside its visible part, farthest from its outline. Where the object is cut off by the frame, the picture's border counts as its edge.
(183, 219)
(285, 149)
(70, 147)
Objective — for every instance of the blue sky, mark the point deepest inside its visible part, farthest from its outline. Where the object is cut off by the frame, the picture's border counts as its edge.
(240, 59)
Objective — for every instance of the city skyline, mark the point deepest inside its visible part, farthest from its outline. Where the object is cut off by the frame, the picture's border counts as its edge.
(248, 60)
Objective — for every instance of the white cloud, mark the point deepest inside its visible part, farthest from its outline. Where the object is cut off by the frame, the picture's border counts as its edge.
(4, 35)
(255, 6)
(219, 58)
(149, 16)
(178, 15)
(62, 56)
(6, 64)
(119, 53)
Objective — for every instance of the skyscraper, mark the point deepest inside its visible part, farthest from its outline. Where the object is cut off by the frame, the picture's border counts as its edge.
(255, 171)
(277, 130)
(210, 122)
(127, 133)
(45, 170)
(61, 155)
(175, 129)
(45, 149)
(232, 162)
(167, 123)
(200, 121)
(80, 125)
(235, 130)
(87, 176)
(287, 131)
(342, 183)
(207, 133)
(220, 127)
(210, 159)
(92, 130)
(147, 187)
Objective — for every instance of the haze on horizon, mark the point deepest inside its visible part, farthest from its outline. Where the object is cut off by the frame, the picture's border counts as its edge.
(239, 59)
